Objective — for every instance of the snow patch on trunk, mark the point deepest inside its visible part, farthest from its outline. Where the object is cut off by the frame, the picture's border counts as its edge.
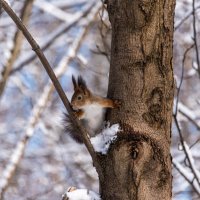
(81, 194)
(102, 141)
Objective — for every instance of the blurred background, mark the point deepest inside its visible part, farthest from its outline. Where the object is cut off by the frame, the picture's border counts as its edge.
(38, 161)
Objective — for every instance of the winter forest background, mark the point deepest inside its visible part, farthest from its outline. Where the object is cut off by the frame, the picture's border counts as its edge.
(38, 161)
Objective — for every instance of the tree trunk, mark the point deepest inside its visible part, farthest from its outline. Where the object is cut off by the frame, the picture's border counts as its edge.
(138, 165)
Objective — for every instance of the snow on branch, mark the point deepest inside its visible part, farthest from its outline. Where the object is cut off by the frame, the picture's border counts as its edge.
(69, 4)
(189, 114)
(55, 11)
(188, 154)
(102, 141)
(190, 157)
(53, 36)
(189, 177)
(195, 36)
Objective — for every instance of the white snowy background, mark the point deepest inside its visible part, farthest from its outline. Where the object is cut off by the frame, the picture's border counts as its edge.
(75, 38)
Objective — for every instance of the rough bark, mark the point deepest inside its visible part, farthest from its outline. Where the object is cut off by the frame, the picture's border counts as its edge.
(138, 165)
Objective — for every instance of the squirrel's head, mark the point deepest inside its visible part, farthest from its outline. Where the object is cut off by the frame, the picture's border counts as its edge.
(81, 96)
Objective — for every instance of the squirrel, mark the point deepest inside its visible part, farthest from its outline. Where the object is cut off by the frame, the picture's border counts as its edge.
(88, 108)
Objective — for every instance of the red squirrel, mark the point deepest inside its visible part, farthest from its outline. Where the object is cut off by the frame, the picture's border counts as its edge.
(89, 109)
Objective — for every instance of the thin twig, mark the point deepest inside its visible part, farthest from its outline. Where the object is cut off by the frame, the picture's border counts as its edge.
(182, 76)
(90, 68)
(190, 119)
(195, 36)
(0, 9)
(83, 132)
(194, 171)
(176, 121)
(183, 173)
(195, 143)
(189, 114)
(184, 19)
(103, 37)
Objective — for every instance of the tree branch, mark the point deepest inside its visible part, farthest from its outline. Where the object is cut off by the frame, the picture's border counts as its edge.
(185, 149)
(184, 19)
(183, 143)
(184, 173)
(181, 109)
(41, 104)
(195, 36)
(83, 132)
(182, 75)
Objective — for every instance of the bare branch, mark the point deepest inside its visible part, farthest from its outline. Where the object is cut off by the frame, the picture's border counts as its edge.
(195, 36)
(83, 132)
(185, 149)
(184, 173)
(182, 76)
(42, 102)
(195, 143)
(84, 65)
(190, 118)
(184, 19)
(183, 143)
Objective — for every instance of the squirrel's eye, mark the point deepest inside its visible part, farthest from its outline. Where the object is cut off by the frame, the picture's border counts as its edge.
(79, 97)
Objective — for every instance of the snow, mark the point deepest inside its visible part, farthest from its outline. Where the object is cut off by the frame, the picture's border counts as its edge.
(53, 10)
(82, 194)
(102, 141)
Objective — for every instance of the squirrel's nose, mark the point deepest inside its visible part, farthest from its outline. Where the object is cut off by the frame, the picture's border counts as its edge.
(74, 107)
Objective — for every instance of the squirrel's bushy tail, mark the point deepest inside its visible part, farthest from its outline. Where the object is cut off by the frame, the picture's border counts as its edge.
(72, 130)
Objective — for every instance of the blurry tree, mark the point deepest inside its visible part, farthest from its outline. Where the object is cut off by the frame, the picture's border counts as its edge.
(18, 38)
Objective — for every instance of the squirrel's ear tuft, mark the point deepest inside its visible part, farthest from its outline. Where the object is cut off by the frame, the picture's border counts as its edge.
(81, 83)
(74, 82)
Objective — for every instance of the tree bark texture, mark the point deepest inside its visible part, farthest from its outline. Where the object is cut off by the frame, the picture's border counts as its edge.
(138, 165)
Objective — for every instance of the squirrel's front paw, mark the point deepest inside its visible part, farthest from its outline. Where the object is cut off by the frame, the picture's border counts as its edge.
(117, 103)
(79, 114)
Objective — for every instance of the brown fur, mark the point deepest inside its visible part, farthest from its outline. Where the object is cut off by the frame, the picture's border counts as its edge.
(81, 100)
(82, 96)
